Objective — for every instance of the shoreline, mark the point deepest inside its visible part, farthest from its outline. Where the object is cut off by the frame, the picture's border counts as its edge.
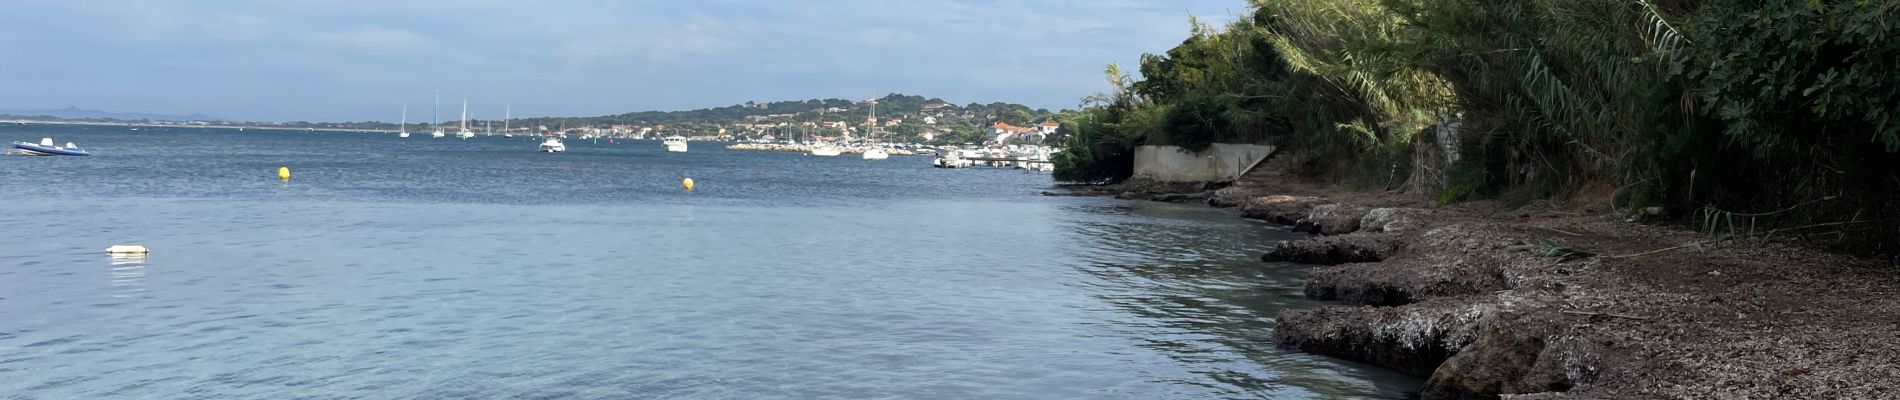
(1553, 303)
(799, 148)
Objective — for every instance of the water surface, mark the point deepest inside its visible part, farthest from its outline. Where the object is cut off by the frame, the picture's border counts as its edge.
(442, 268)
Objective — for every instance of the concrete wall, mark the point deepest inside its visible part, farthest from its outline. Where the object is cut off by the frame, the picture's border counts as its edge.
(1221, 163)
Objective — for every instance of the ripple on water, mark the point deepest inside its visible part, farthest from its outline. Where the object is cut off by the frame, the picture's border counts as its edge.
(430, 269)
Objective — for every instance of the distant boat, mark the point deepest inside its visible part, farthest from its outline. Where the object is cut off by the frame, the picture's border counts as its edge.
(465, 133)
(402, 128)
(826, 150)
(46, 148)
(553, 145)
(675, 143)
(436, 121)
(872, 151)
(505, 116)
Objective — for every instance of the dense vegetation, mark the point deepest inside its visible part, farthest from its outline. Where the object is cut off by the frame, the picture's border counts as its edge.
(1759, 114)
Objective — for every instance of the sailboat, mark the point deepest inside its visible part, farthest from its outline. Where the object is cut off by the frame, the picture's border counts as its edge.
(402, 128)
(507, 115)
(465, 133)
(436, 121)
(871, 150)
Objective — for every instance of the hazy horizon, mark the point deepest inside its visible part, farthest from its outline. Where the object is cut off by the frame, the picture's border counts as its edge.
(357, 60)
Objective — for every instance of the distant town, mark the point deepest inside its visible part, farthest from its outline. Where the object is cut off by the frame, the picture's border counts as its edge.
(900, 119)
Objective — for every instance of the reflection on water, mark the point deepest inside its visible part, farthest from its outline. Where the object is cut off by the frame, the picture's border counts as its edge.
(1189, 282)
(127, 272)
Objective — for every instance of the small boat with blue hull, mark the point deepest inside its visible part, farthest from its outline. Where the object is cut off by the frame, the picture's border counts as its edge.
(46, 148)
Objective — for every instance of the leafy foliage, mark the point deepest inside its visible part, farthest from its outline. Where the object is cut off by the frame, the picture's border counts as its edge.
(1734, 104)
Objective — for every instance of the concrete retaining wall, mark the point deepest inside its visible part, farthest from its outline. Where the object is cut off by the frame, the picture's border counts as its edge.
(1221, 163)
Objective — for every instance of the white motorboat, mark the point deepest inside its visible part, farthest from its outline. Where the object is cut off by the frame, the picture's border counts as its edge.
(950, 159)
(876, 153)
(675, 143)
(553, 145)
(826, 150)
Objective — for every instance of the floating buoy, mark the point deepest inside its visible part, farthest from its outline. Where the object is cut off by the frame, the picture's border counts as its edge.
(127, 249)
(283, 173)
(688, 183)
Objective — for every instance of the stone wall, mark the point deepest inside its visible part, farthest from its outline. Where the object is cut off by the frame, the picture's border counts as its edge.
(1221, 163)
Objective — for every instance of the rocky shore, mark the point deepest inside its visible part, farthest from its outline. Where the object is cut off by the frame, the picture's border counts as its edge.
(1557, 303)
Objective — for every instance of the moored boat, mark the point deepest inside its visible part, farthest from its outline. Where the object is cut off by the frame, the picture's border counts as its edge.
(553, 145)
(872, 151)
(46, 148)
(675, 143)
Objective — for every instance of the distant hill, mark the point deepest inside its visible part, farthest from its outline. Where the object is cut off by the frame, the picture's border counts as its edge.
(891, 107)
(71, 112)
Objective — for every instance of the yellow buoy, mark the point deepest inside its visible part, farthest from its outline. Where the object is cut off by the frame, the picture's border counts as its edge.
(688, 183)
(283, 173)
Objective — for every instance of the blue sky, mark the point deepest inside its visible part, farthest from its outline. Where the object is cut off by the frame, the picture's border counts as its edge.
(337, 60)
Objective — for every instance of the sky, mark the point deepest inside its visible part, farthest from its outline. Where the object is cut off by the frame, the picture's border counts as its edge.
(354, 60)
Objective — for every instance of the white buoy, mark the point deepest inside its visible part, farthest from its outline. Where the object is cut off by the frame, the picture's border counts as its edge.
(126, 249)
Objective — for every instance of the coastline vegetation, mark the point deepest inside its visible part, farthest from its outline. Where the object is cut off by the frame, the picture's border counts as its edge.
(1783, 113)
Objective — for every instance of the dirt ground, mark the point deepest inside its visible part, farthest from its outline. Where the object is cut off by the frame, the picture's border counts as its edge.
(1484, 300)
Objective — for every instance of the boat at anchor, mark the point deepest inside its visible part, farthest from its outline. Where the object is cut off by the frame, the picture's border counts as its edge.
(46, 148)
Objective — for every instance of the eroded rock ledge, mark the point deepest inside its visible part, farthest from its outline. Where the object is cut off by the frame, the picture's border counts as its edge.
(1470, 302)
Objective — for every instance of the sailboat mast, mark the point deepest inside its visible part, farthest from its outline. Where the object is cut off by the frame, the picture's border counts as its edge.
(436, 121)
(404, 125)
(507, 115)
(464, 114)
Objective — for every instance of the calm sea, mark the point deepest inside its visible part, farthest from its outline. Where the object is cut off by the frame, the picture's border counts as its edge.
(443, 268)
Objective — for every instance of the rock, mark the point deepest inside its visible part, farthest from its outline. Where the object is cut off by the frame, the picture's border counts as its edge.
(1228, 197)
(1284, 210)
(1378, 286)
(1413, 339)
(1332, 219)
(1179, 197)
(1514, 354)
(1391, 219)
(1335, 250)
